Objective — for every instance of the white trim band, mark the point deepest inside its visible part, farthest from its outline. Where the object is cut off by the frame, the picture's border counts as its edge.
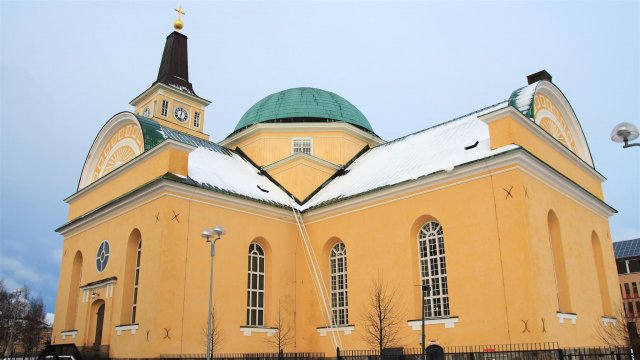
(247, 330)
(566, 316)
(448, 322)
(72, 333)
(346, 329)
(131, 327)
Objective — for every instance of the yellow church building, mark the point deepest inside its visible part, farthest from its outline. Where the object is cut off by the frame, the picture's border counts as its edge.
(500, 212)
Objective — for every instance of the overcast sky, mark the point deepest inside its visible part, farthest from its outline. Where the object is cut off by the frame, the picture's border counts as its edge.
(67, 67)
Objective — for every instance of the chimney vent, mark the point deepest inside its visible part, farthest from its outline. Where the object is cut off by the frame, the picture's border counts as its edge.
(540, 75)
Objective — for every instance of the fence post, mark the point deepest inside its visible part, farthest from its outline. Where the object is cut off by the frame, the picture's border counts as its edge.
(560, 354)
(338, 352)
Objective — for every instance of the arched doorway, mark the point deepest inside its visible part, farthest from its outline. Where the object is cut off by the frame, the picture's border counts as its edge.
(97, 321)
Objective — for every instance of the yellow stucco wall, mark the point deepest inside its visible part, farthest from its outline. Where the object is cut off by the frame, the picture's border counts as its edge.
(268, 147)
(506, 131)
(165, 160)
(301, 176)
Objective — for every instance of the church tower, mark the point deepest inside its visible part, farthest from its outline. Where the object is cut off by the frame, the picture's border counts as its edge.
(171, 100)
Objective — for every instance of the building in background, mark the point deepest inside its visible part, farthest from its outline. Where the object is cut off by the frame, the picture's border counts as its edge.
(499, 211)
(628, 263)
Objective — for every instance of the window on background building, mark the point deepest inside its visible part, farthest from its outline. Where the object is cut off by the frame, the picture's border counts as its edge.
(136, 279)
(196, 119)
(634, 265)
(637, 307)
(301, 145)
(255, 286)
(630, 307)
(165, 108)
(339, 300)
(622, 266)
(433, 269)
(634, 286)
(627, 290)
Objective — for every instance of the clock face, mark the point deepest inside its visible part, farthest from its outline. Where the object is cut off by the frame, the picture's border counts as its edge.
(146, 112)
(180, 114)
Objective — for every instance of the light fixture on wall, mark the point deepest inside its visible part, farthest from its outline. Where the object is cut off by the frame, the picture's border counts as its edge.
(94, 295)
(218, 231)
(625, 132)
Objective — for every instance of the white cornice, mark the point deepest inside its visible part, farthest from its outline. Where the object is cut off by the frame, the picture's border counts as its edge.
(297, 156)
(260, 128)
(547, 138)
(517, 159)
(158, 85)
(168, 188)
(166, 144)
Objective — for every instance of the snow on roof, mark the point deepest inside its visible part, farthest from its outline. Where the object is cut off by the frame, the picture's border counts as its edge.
(230, 173)
(441, 147)
(522, 99)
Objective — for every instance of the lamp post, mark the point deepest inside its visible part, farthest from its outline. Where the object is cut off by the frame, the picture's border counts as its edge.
(218, 231)
(625, 132)
(425, 293)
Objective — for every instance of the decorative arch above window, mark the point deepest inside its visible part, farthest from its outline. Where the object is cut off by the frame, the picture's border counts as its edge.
(255, 286)
(339, 298)
(433, 270)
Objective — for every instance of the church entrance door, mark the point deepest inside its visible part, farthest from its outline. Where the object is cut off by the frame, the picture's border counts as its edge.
(99, 323)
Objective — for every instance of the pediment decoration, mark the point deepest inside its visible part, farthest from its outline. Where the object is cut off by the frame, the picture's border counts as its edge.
(553, 113)
(119, 141)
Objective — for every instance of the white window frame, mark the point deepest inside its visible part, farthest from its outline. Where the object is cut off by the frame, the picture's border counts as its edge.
(256, 285)
(165, 108)
(196, 119)
(299, 144)
(339, 295)
(433, 270)
(136, 280)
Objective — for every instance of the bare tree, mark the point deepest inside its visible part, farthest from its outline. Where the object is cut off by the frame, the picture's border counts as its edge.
(217, 334)
(283, 336)
(614, 333)
(382, 317)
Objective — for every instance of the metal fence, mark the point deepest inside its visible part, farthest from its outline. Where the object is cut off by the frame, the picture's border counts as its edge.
(538, 351)
(248, 356)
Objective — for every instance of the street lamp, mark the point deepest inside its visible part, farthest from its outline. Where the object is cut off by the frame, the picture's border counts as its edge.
(425, 292)
(625, 132)
(218, 231)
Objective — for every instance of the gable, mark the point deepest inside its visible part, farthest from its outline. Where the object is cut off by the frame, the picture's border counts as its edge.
(546, 105)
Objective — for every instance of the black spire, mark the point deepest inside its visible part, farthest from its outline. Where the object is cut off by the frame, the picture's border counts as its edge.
(174, 68)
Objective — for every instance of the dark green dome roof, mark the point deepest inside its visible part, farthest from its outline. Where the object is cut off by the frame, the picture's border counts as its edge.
(303, 104)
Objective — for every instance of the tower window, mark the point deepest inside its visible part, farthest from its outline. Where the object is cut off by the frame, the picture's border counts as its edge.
(301, 145)
(339, 301)
(196, 119)
(255, 286)
(433, 270)
(165, 108)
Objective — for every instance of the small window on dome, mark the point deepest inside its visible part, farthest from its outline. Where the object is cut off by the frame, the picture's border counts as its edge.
(196, 120)
(301, 145)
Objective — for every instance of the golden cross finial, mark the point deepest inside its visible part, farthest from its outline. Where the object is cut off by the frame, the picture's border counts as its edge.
(178, 24)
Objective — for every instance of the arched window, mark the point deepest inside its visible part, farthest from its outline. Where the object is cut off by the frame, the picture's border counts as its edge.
(74, 291)
(135, 283)
(557, 250)
(255, 286)
(433, 269)
(602, 278)
(339, 301)
(131, 278)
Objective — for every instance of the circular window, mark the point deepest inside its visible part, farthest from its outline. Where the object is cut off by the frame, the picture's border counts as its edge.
(102, 257)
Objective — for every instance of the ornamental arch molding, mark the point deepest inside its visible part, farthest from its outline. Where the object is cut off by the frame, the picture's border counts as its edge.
(553, 113)
(119, 141)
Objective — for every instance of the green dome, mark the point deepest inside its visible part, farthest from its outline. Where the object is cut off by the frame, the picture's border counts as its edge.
(303, 104)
